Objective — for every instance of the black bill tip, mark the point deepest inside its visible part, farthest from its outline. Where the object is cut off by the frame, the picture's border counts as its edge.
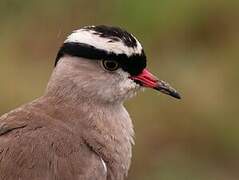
(167, 89)
(175, 95)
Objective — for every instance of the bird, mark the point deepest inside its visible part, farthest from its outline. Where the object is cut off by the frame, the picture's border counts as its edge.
(79, 128)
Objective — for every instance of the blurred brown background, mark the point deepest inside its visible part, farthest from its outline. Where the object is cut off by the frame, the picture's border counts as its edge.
(193, 44)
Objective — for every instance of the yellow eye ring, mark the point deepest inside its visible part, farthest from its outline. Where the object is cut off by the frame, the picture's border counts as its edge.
(110, 65)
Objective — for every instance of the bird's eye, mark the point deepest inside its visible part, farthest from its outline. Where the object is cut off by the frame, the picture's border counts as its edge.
(110, 65)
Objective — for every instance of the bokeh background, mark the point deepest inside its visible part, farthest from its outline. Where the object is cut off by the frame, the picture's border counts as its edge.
(193, 44)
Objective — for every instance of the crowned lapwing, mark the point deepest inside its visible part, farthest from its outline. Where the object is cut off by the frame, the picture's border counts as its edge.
(79, 129)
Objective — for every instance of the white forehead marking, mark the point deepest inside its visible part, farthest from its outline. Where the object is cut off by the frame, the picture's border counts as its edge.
(87, 36)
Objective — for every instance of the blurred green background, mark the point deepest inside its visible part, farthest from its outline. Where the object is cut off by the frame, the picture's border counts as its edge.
(193, 44)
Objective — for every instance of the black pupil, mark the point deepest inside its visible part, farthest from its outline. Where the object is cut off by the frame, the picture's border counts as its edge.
(111, 65)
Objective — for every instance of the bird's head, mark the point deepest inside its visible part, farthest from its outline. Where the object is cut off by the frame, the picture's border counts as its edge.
(106, 63)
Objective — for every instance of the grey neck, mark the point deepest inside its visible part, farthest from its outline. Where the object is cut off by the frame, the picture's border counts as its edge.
(105, 126)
